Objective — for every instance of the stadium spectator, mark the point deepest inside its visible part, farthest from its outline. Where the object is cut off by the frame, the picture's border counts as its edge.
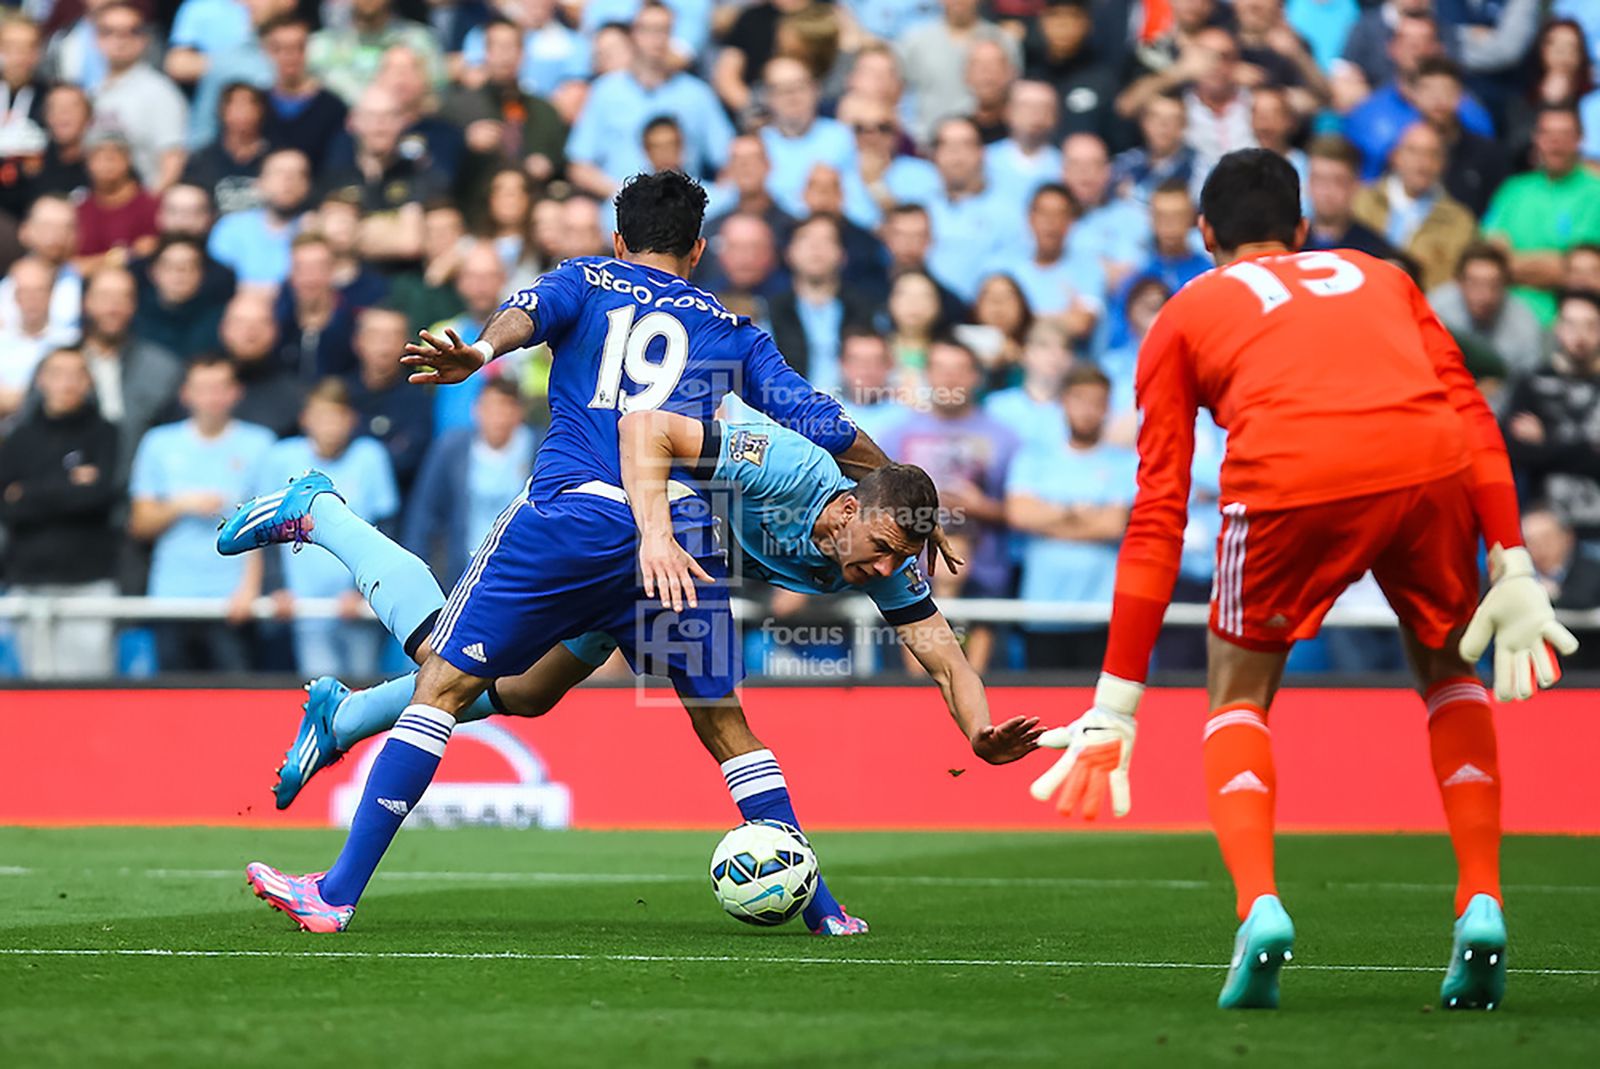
(798, 139)
(1274, 125)
(503, 124)
(25, 340)
(1474, 165)
(50, 232)
(933, 60)
(875, 75)
(390, 185)
(1071, 501)
(396, 413)
(1170, 60)
(117, 220)
(808, 322)
(186, 477)
(244, 62)
(916, 316)
(58, 490)
(996, 327)
(346, 59)
(1027, 157)
(349, 645)
(605, 145)
(907, 238)
(22, 136)
(315, 322)
(551, 54)
(447, 515)
(1138, 308)
(1570, 576)
(973, 223)
(1539, 215)
(866, 366)
(966, 452)
(1032, 408)
(864, 255)
(135, 381)
(1161, 157)
(480, 283)
(430, 143)
(990, 74)
(255, 243)
(1333, 179)
(1216, 103)
(270, 393)
(742, 189)
(1550, 428)
(231, 165)
(64, 170)
(1583, 268)
(338, 220)
(1369, 49)
(428, 294)
(174, 312)
(1056, 280)
(200, 29)
(1268, 43)
(1110, 229)
(185, 211)
(1059, 50)
(305, 115)
(1477, 309)
(72, 50)
(744, 270)
(137, 100)
(1375, 125)
(1173, 257)
(883, 176)
(1411, 209)
(749, 45)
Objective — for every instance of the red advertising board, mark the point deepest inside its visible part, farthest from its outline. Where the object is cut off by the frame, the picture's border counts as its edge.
(863, 757)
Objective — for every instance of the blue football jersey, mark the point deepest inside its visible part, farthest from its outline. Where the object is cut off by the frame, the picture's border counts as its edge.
(627, 337)
(782, 482)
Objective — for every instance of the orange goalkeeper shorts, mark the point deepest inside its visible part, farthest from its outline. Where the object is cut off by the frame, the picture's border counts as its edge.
(1278, 572)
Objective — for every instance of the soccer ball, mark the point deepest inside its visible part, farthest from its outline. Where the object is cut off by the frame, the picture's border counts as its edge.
(763, 872)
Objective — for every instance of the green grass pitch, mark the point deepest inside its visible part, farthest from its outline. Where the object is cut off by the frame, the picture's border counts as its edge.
(606, 949)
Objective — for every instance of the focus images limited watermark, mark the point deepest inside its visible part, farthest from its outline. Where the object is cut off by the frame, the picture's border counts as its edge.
(917, 396)
(791, 650)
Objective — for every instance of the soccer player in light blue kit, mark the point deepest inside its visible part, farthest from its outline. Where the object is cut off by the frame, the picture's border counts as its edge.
(628, 334)
(802, 525)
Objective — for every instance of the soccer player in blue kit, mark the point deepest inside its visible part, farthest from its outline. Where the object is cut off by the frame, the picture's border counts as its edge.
(627, 334)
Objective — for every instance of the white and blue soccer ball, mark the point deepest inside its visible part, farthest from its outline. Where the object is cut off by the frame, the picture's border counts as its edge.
(763, 872)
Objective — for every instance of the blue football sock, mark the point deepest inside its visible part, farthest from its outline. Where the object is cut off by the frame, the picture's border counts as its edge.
(403, 770)
(761, 793)
(395, 581)
(369, 712)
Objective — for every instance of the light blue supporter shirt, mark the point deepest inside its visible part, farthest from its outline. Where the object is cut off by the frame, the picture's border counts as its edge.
(1007, 167)
(175, 459)
(494, 476)
(257, 251)
(1055, 569)
(967, 234)
(609, 132)
(210, 26)
(821, 324)
(1056, 287)
(551, 55)
(826, 141)
(364, 477)
(1037, 424)
(909, 179)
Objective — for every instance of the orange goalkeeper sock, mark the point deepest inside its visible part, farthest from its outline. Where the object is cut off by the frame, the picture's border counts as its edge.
(1240, 787)
(1467, 766)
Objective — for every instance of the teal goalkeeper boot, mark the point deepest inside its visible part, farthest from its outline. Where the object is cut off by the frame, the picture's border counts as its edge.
(1264, 945)
(1476, 978)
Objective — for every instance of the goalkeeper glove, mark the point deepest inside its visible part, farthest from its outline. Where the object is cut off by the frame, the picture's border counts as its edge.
(1516, 614)
(1099, 747)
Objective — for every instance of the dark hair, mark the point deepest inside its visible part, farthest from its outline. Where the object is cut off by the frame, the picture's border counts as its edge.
(1146, 282)
(660, 213)
(1336, 148)
(500, 22)
(832, 222)
(661, 122)
(1251, 196)
(278, 22)
(1484, 252)
(1173, 185)
(1055, 189)
(855, 331)
(907, 494)
(1025, 322)
(1085, 373)
(1589, 248)
(1439, 66)
(1584, 82)
(255, 92)
(383, 307)
(946, 340)
(126, 5)
(1562, 109)
(504, 387)
(1589, 297)
(905, 208)
(211, 360)
(956, 120)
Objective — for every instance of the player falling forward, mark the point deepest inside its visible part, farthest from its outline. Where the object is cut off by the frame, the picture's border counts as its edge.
(803, 526)
(627, 334)
(1356, 441)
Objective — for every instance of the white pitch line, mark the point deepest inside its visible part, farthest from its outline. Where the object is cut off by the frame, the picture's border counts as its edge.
(1092, 882)
(714, 959)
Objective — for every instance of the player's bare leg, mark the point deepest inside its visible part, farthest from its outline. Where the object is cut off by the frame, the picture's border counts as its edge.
(1461, 740)
(1240, 787)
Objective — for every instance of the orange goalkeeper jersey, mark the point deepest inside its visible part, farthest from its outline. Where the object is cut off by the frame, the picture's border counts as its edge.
(1333, 379)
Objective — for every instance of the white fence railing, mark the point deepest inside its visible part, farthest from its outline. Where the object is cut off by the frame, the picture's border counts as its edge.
(39, 613)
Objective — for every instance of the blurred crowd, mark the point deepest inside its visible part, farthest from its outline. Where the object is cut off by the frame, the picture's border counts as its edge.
(220, 221)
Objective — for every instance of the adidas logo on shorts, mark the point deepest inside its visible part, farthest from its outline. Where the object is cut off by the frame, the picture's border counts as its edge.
(475, 651)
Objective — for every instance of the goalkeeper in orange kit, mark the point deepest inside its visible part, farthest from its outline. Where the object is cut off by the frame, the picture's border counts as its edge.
(1357, 441)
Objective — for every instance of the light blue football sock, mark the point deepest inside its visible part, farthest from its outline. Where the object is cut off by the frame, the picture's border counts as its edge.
(369, 712)
(759, 790)
(395, 581)
(402, 772)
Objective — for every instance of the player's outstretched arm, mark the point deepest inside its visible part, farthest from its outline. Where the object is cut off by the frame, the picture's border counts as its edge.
(935, 646)
(650, 443)
(445, 360)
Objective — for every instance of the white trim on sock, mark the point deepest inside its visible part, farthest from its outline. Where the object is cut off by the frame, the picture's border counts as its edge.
(753, 773)
(426, 728)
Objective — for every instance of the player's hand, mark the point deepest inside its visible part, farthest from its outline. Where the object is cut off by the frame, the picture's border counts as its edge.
(1517, 615)
(940, 546)
(1099, 747)
(1001, 744)
(441, 361)
(667, 569)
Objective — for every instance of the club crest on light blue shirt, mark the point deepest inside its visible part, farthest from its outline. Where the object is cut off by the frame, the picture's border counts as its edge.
(748, 446)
